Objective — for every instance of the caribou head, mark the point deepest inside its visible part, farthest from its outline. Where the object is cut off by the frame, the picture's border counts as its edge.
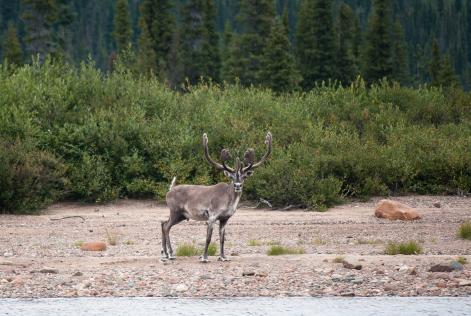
(241, 170)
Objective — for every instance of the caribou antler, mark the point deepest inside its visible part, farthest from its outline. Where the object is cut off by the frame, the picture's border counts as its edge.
(224, 156)
(249, 155)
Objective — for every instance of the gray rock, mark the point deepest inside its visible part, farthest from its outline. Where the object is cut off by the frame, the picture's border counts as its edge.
(248, 273)
(181, 288)
(441, 268)
(78, 273)
(49, 270)
(357, 281)
(456, 266)
(464, 282)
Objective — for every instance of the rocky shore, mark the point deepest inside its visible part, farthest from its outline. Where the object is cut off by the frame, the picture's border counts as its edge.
(40, 256)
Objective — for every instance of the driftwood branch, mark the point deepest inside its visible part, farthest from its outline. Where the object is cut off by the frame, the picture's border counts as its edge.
(65, 217)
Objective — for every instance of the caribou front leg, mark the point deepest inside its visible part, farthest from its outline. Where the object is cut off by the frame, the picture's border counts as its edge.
(208, 240)
(222, 236)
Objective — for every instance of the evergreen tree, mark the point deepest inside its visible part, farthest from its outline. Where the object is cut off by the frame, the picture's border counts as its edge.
(399, 57)
(447, 76)
(279, 70)
(357, 40)
(255, 18)
(211, 42)
(435, 64)
(315, 42)
(122, 25)
(200, 42)
(39, 17)
(156, 24)
(226, 53)
(378, 55)
(62, 33)
(345, 57)
(11, 46)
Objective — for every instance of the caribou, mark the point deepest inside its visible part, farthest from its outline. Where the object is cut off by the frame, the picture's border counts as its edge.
(210, 203)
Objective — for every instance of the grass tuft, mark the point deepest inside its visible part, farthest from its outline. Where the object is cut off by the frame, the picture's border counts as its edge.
(189, 250)
(462, 260)
(277, 250)
(465, 230)
(254, 242)
(403, 248)
(111, 237)
(339, 259)
(78, 243)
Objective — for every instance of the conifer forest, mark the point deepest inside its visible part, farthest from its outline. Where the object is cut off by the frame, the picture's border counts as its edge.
(109, 99)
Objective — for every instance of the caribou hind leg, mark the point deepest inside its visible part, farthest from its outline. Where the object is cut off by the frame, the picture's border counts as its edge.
(174, 220)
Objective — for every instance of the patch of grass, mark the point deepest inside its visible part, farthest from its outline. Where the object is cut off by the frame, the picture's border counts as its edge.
(362, 241)
(212, 249)
(78, 243)
(462, 260)
(254, 242)
(404, 248)
(189, 250)
(277, 250)
(129, 242)
(339, 259)
(465, 230)
(273, 243)
(111, 237)
(319, 241)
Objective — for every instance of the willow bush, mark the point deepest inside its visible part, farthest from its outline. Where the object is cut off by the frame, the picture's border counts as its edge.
(83, 135)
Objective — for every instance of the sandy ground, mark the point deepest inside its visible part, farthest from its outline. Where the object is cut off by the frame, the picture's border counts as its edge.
(132, 267)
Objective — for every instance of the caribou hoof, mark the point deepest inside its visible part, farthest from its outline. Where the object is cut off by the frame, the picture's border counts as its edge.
(204, 260)
(172, 257)
(163, 259)
(223, 259)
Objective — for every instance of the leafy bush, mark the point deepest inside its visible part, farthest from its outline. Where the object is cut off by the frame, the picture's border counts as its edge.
(403, 248)
(30, 179)
(465, 230)
(106, 136)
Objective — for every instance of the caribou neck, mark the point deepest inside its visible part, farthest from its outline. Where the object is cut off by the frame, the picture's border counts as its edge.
(234, 196)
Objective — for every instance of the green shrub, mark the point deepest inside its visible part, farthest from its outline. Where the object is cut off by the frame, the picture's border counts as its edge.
(465, 230)
(280, 250)
(403, 248)
(115, 135)
(30, 179)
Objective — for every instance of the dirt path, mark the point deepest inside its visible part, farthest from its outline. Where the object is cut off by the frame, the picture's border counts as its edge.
(131, 268)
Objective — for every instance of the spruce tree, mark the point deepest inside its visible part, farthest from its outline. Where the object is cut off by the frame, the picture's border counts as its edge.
(315, 42)
(378, 56)
(226, 53)
(447, 76)
(39, 17)
(122, 25)
(211, 42)
(255, 18)
(357, 40)
(200, 41)
(279, 70)
(157, 25)
(11, 46)
(435, 64)
(345, 57)
(400, 60)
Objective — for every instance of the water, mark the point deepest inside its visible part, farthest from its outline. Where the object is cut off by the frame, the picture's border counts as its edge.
(326, 306)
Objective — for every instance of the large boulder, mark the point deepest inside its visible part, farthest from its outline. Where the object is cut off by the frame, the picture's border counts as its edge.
(394, 210)
(93, 246)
